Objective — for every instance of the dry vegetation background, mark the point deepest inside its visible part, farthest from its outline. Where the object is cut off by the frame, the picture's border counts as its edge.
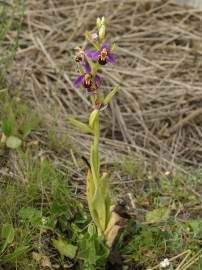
(157, 114)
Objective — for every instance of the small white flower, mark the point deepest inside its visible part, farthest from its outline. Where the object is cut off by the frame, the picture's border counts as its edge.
(165, 263)
(167, 173)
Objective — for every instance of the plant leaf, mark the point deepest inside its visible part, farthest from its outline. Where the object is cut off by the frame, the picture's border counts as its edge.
(90, 189)
(19, 251)
(26, 130)
(8, 234)
(158, 215)
(31, 214)
(110, 95)
(7, 126)
(13, 142)
(93, 250)
(83, 127)
(64, 248)
(92, 118)
(101, 201)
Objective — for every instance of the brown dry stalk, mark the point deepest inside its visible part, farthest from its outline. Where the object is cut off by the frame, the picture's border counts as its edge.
(158, 69)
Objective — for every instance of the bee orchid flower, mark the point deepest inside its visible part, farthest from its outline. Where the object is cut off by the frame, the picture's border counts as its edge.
(103, 56)
(87, 80)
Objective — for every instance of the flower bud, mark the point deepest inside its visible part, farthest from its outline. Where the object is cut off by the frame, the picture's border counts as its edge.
(102, 33)
(103, 20)
(98, 23)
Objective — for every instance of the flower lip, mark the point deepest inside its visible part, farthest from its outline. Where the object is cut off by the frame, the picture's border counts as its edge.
(81, 79)
(87, 83)
(95, 84)
(90, 83)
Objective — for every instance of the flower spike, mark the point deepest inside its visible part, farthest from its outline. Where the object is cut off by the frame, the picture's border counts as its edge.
(98, 195)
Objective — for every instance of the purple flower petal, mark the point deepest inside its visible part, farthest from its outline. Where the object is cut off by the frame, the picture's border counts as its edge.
(106, 46)
(98, 80)
(89, 54)
(95, 56)
(87, 67)
(111, 59)
(78, 80)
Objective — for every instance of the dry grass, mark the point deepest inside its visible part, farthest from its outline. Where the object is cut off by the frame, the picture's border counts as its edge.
(157, 114)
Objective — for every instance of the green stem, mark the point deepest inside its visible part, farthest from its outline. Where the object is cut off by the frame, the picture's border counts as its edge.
(96, 145)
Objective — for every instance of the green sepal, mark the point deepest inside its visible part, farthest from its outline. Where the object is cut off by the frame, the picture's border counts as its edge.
(110, 95)
(83, 127)
(112, 47)
(87, 35)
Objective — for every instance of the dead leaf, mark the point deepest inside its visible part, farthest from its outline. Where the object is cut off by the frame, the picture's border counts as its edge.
(44, 261)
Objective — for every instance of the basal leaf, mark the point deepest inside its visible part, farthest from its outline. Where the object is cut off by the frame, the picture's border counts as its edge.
(7, 126)
(7, 234)
(19, 251)
(64, 248)
(158, 215)
(31, 214)
(13, 142)
(101, 202)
